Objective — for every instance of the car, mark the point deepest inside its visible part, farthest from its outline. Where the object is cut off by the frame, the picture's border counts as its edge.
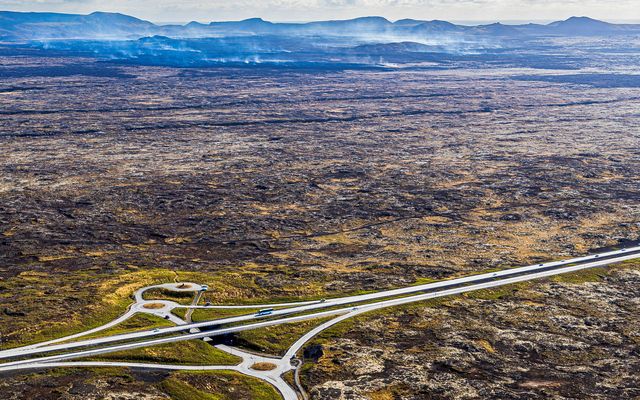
(208, 304)
(156, 330)
(264, 312)
(204, 288)
(323, 300)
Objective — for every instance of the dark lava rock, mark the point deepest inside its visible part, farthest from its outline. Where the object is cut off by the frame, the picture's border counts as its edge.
(313, 352)
(560, 214)
(11, 313)
(511, 217)
(82, 388)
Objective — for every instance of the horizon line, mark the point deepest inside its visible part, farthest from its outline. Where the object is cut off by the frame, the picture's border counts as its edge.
(505, 21)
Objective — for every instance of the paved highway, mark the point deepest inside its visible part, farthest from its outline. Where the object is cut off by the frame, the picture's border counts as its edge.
(340, 311)
(488, 282)
(587, 261)
(245, 368)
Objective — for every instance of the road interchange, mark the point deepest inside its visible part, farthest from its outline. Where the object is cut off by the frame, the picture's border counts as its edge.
(338, 309)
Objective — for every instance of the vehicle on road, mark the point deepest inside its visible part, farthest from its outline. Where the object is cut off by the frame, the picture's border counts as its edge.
(264, 312)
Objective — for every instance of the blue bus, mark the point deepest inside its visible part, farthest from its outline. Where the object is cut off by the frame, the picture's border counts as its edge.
(264, 312)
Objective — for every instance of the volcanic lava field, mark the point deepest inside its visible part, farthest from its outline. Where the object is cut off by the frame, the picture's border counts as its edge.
(275, 183)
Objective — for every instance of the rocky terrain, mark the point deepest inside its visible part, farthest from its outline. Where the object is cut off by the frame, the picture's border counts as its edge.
(280, 183)
(120, 384)
(568, 338)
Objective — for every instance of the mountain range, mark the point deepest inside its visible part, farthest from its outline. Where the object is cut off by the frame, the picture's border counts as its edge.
(367, 42)
(16, 27)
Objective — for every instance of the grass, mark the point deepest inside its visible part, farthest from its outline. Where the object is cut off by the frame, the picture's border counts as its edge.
(179, 390)
(200, 314)
(192, 352)
(584, 276)
(264, 366)
(423, 281)
(497, 293)
(289, 377)
(277, 339)
(184, 298)
(588, 275)
(182, 385)
(180, 312)
(101, 298)
(488, 347)
(153, 306)
(136, 323)
(228, 385)
(392, 392)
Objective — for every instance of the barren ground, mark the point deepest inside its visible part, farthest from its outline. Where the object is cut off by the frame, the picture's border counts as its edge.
(294, 184)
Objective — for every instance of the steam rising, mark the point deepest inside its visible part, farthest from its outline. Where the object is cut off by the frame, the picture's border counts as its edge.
(369, 41)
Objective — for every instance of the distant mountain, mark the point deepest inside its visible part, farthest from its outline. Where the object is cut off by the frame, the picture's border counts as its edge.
(363, 24)
(582, 26)
(579, 26)
(250, 25)
(16, 26)
(436, 28)
(46, 26)
(496, 29)
(408, 22)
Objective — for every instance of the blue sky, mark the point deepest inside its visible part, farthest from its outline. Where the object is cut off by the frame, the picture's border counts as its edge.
(304, 10)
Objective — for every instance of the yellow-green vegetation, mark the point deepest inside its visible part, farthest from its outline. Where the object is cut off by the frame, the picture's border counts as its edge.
(179, 312)
(423, 281)
(103, 297)
(342, 328)
(497, 292)
(192, 352)
(104, 371)
(153, 306)
(164, 294)
(136, 323)
(629, 263)
(391, 392)
(289, 377)
(304, 373)
(207, 315)
(587, 275)
(179, 390)
(584, 276)
(264, 366)
(488, 347)
(215, 386)
(342, 238)
(277, 339)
